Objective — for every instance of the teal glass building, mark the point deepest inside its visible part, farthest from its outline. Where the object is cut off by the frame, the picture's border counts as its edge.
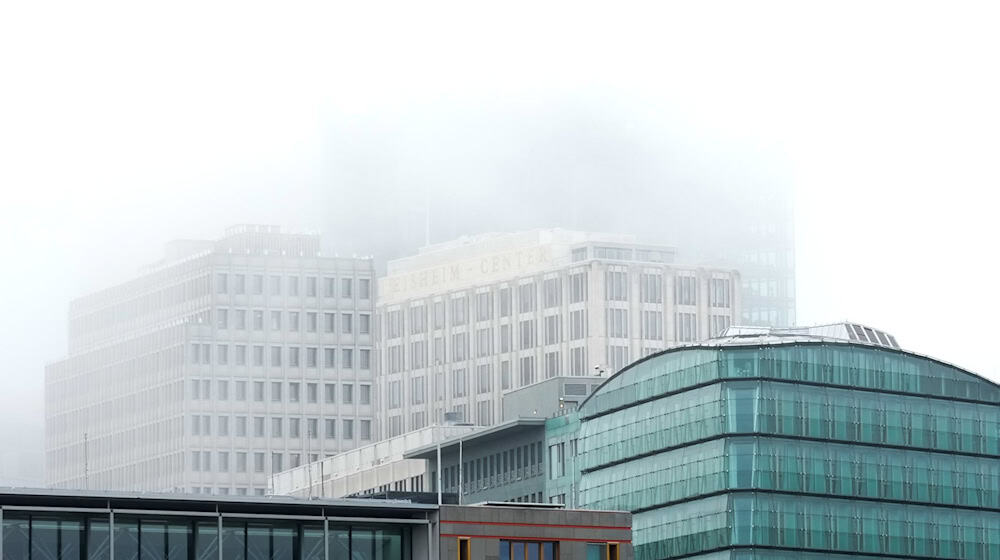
(768, 444)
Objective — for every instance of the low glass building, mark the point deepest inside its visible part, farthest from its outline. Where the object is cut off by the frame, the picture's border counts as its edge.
(788, 444)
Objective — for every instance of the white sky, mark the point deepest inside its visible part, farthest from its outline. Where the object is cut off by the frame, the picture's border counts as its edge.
(125, 124)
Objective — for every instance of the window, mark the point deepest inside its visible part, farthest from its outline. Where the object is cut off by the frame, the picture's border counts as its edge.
(276, 356)
(526, 297)
(617, 357)
(275, 391)
(222, 390)
(484, 342)
(223, 424)
(551, 364)
(551, 293)
(652, 325)
(293, 285)
(258, 320)
(348, 429)
(240, 319)
(241, 355)
(553, 329)
(719, 292)
(275, 320)
(276, 427)
(293, 356)
(347, 393)
(484, 306)
(223, 461)
(241, 461)
(347, 288)
(312, 428)
(330, 390)
(617, 323)
(418, 320)
(505, 375)
(310, 286)
(275, 285)
(685, 290)
(458, 309)
(651, 288)
(258, 391)
(258, 426)
(364, 323)
(458, 347)
(484, 413)
(616, 285)
(438, 314)
(329, 358)
(312, 357)
(464, 548)
(526, 333)
(578, 361)
(364, 394)
(484, 379)
(240, 284)
(529, 550)
(293, 392)
(686, 327)
(241, 390)
(365, 429)
(459, 382)
(418, 392)
(258, 356)
(329, 287)
(365, 359)
(276, 462)
(364, 288)
(557, 464)
(258, 284)
(347, 358)
(331, 428)
(221, 283)
(504, 296)
(330, 322)
(347, 323)
(293, 427)
(311, 320)
(527, 370)
(578, 287)
(505, 343)
(222, 318)
(241, 426)
(312, 392)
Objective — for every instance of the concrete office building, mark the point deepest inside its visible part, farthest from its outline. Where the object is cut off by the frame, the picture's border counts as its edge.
(462, 323)
(796, 444)
(110, 526)
(225, 362)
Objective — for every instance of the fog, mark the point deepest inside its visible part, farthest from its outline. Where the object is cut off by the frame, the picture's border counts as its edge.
(123, 126)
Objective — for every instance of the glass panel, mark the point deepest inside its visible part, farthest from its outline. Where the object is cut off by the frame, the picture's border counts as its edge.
(518, 551)
(362, 544)
(234, 540)
(388, 544)
(340, 543)
(312, 542)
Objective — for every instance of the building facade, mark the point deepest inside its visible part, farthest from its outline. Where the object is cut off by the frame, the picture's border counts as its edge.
(226, 362)
(791, 445)
(108, 526)
(462, 323)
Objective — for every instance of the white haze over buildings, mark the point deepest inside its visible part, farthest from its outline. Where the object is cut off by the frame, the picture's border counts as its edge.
(123, 126)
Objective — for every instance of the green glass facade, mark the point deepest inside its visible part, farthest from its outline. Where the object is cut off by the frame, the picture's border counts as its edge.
(769, 451)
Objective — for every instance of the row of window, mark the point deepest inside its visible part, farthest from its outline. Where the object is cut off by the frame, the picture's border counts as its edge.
(258, 355)
(292, 321)
(276, 285)
(243, 461)
(280, 427)
(457, 308)
(279, 391)
(475, 472)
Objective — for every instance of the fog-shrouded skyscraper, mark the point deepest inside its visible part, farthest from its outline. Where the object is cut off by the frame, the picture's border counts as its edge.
(461, 323)
(225, 362)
